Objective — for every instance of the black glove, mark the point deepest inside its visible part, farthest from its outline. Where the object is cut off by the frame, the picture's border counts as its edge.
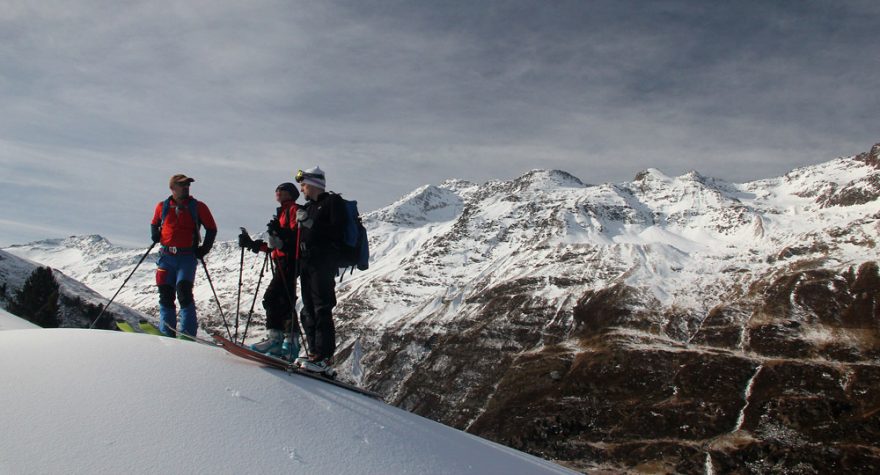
(155, 235)
(202, 251)
(244, 240)
(257, 245)
(274, 226)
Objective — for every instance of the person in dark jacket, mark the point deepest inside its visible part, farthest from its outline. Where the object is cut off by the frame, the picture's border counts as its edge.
(175, 226)
(280, 297)
(320, 222)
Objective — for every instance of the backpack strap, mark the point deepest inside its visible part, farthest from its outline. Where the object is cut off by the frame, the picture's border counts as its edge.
(193, 211)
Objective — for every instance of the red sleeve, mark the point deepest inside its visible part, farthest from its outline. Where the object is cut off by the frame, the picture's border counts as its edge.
(157, 214)
(205, 217)
(291, 217)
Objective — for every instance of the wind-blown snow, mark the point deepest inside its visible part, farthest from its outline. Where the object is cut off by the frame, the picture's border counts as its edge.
(93, 401)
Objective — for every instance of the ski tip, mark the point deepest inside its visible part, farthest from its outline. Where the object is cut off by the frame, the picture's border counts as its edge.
(124, 326)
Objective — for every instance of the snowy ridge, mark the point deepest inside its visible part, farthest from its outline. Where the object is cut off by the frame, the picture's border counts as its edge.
(657, 232)
(206, 411)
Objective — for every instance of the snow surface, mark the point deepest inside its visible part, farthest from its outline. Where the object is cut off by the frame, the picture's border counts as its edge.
(93, 401)
(9, 321)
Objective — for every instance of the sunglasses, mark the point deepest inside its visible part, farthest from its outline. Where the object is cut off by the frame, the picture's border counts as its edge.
(183, 184)
(301, 175)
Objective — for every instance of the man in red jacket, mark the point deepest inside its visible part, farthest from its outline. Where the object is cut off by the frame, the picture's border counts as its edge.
(280, 297)
(175, 226)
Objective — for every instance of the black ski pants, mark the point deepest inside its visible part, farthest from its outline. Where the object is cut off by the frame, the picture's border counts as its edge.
(318, 282)
(279, 300)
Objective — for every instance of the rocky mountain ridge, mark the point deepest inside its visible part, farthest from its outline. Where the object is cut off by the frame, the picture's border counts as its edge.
(667, 324)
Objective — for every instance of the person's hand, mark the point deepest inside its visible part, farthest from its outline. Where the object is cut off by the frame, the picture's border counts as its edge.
(257, 245)
(202, 251)
(275, 242)
(155, 235)
(244, 240)
(302, 217)
(274, 226)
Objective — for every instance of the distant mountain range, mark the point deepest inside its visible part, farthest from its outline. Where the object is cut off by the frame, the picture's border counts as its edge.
(681, 323)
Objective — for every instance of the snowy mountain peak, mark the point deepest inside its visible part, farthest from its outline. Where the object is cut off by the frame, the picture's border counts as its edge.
(426, 204)
(651, 174)
(849, 181)
(89, 244)
(547, 179)
(457, 185)
(873, 157)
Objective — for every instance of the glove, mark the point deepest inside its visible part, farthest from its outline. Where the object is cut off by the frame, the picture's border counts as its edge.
(302, 216)
(244, 240)
(155, 235)
(274, 226)
(275, 242)
(202, 251)
(257, 245)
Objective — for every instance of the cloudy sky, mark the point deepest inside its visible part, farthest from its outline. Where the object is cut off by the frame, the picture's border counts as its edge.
(103, 101)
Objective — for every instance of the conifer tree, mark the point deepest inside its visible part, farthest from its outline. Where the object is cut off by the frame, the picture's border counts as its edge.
(37, 300)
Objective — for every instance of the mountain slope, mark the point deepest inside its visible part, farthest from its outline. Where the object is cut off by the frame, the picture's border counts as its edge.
(78, 304)
(666, 319)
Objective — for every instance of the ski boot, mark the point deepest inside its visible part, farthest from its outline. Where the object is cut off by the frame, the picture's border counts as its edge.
(320, 366)
(290, 348)
(271, 345)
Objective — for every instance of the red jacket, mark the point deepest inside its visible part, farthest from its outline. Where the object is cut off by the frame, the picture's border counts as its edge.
(287, 218)
(178, 229)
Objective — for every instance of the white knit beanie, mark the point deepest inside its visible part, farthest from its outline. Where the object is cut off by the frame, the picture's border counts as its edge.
(315, 177)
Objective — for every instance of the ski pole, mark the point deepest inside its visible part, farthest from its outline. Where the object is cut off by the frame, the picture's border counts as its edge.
(293, 317)
(238, 299)
(254, 303)
(293, 323)
(208, 275)
(123, 284)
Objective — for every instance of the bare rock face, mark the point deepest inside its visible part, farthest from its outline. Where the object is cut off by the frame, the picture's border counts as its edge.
(786, 380)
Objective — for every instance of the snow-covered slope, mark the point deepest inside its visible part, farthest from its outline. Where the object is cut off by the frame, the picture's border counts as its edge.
(89, 401)
(9, 321)
(74, 295)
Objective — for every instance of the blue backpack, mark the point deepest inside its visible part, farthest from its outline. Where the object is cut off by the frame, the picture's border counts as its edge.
(355, 248)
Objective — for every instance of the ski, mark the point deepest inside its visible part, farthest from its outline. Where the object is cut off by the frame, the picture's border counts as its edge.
(183, 336)
(125, 326)
(278, 363)
(148, 327)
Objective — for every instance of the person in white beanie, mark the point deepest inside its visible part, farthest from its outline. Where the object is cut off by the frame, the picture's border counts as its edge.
(314, 177)
(321, 222)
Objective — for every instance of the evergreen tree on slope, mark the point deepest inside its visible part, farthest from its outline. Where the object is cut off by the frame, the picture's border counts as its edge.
(37, 300)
